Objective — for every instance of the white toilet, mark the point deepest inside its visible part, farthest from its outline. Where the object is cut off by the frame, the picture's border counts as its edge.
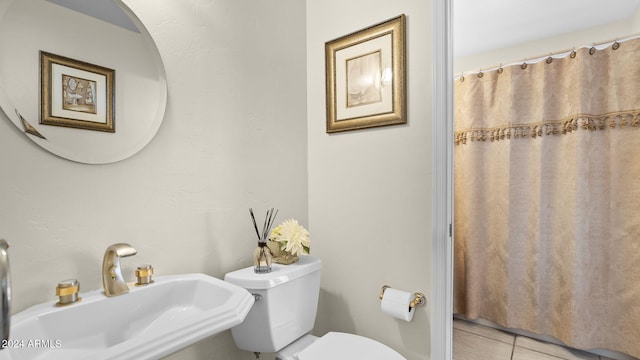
(284, 313)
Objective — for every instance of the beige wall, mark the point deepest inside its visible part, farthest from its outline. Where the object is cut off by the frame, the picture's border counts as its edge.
(244, 127)
(370, 190)
(234, 137)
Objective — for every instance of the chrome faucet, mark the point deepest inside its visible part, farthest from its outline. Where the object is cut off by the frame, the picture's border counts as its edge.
(112, 279)
(5, 291)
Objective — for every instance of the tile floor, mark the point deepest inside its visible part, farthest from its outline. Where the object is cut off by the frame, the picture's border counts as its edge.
(476, 342)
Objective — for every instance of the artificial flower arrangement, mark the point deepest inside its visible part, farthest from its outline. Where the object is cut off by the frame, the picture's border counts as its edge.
(291, 240)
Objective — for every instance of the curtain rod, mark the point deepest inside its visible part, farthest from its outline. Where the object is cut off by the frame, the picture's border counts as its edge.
(534, 59)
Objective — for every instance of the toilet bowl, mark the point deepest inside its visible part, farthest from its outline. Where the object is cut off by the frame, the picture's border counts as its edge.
(284, 313)
(341, 346)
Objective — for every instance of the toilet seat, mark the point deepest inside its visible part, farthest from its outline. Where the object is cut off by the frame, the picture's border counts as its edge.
(343, 346)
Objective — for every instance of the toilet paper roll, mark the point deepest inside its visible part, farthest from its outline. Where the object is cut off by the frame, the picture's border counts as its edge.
(396, 303)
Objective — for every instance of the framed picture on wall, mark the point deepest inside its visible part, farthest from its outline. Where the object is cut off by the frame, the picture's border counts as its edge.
(366, 77)
(76, 94)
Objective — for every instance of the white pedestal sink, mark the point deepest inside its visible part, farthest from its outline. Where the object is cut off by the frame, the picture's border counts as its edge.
(149, 322)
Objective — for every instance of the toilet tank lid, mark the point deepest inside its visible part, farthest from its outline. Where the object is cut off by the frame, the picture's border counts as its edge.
(338, 346)
(248, 279)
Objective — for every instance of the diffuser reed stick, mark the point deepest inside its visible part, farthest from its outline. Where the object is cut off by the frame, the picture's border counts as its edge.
(267, 225)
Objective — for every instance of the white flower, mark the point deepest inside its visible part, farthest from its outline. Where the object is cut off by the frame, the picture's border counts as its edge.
(293, 237)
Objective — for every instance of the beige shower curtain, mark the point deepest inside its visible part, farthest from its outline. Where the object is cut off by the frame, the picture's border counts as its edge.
(547, 198)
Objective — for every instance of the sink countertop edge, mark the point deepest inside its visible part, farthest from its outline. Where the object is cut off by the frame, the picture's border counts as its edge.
(232, 313)
(163, 347)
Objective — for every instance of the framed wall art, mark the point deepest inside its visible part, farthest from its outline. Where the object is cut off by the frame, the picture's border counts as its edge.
(366, 77)
(76, 94)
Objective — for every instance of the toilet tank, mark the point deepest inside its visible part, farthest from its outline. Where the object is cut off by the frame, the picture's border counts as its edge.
(285, 307)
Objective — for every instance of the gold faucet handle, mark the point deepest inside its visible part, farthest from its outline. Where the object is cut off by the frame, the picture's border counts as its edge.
(144, 274)
(67, 291)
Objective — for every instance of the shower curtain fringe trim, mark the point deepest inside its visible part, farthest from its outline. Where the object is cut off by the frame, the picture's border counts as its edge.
(550, 127)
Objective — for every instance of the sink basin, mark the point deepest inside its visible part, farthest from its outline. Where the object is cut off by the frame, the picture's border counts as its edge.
(149, 322)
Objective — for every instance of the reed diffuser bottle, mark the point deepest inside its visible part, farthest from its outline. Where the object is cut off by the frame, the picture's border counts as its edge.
(262, 257)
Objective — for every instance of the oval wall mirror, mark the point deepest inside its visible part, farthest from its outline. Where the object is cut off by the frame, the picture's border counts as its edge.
(101, 65)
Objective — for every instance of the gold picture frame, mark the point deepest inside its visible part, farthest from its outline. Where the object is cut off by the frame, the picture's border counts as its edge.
(366, 77)
(76, 94)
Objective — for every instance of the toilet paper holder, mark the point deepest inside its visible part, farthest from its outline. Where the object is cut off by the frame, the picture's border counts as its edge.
(418, 299)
